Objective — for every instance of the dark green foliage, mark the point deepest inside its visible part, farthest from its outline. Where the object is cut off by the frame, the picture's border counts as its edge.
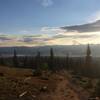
(2, 61)
(44, 67)
(38, 60)
(15, 59)
(51, 53)
(88, 67)
(97, 89)
(51, 60)
(37, 68)
(25, 61)
(67, 62)
(80, 65)
(36, 73)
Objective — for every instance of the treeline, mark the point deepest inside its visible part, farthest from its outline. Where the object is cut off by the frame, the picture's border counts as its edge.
(80, 65)
(53, 62)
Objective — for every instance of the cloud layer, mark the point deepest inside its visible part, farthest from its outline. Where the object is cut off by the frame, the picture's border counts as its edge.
(68, 35)
(91, 27)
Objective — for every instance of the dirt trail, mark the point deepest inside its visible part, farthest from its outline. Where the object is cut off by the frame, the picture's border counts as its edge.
(63, 91)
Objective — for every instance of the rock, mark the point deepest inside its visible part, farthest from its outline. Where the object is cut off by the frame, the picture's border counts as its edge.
(27, 79)
(22, 94)
(44, 89)
(33, 96)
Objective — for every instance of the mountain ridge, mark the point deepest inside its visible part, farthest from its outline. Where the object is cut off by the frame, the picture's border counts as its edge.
(59, 50)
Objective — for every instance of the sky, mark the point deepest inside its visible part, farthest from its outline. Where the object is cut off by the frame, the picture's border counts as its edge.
(40, 22)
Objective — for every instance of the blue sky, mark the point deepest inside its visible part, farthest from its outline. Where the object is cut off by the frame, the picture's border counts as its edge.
(30, 16)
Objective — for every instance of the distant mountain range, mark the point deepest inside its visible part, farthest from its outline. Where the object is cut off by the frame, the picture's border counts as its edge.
(59, 50)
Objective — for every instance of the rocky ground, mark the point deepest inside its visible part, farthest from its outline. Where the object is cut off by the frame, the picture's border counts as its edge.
(19, 84)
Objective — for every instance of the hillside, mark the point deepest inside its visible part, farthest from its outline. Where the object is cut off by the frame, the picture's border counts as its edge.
(20, 84)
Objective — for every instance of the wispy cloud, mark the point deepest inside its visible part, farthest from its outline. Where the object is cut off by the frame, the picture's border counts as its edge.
(5, 38)
(74, 36)
(34, 40)
(47, 3)
(52, 30)
(47, 29)
(53, 36)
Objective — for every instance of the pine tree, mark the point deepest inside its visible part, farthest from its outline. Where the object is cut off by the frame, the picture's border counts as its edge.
(37, 67)
(38, 60)
(88, 62)
(25, 61)
(2, 62)
(15, 59)
(88, 56)
(51, 59)
(67, 62)
(51, 54)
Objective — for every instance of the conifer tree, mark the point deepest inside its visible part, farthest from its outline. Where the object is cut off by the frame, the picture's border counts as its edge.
(2, 62)
(15, 59)
(25, 61)
(38, 60)
(88, 56)
(67, 61)
(52, 59)
(88, 62)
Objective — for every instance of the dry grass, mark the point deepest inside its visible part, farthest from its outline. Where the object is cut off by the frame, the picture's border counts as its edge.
(15, 81)
(19, 84)
(15, 72)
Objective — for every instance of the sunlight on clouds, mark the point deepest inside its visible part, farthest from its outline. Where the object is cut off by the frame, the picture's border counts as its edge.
(94, 17)
(62, 41)
(50, 36)
(52, 30)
